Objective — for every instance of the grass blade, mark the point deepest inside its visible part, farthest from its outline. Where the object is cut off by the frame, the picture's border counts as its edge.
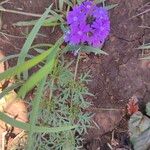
(59, 17)
(4, 59)
(41, 45)
(10, 88)
(25, 66)
(69, 3)
(30, 39)
(34, 112)
(13, 122)
(111, 6)
(39, 93)
(37, 129)
(48, 22)
(36, 78)
(44, 71)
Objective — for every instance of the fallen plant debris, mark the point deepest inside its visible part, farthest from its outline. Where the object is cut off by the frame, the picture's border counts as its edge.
(132, 106)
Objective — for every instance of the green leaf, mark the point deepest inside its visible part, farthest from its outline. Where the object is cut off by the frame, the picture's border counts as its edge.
(36, 78)
(34, 112)
(57, 16)
(36, 129)
(25, 66)
(53, 129)
(71, 48)
(47, 22)
(92, 49)
(13, 122)
(4, 59)
(111, 6)
(43, 72)
(70, 142)
(80, 1)
(68, 3)
(99, 1)
(39, 93)
(41, 45)
(30, 39)
(83, 48)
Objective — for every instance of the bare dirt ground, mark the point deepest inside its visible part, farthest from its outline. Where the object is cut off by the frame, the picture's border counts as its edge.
(115, 78)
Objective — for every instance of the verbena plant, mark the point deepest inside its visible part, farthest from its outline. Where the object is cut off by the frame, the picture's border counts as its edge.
(58, 116)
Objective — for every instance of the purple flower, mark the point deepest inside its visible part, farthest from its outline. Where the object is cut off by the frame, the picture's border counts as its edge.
(100, 13)
(74, 16)
(79, 33)
(86, 6)
(88, 24)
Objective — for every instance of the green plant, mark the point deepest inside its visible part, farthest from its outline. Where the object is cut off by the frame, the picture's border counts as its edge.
(64, 104)
(48, 58)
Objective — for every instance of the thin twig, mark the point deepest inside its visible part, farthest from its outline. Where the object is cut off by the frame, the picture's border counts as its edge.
(74, 2)
(3, 140)
(144, 27)
(103, 109)
(51, 90)
(13, 36)
(76, 68)
(21, 13)
(146, 11)
(4, 2)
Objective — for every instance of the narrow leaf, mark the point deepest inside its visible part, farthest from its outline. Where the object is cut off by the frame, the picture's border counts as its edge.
(31, 37)
(4, 59)
(36, 129)
(25, 66)
(13, 122)
(111, 6)
(92, 49)
(36, 78)
(48, 22)
(10, 88)
(43, 72)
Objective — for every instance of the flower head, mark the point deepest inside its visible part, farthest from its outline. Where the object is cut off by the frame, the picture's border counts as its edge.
(88, 24)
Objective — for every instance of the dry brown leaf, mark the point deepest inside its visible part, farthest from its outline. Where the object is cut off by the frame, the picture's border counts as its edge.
(132, 105)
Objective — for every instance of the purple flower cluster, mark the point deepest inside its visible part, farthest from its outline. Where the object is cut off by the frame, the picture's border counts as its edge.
(88, 24)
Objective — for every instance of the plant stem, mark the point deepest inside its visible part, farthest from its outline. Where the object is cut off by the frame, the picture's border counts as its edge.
(51, 90)
(76, 68)
(74, 2)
